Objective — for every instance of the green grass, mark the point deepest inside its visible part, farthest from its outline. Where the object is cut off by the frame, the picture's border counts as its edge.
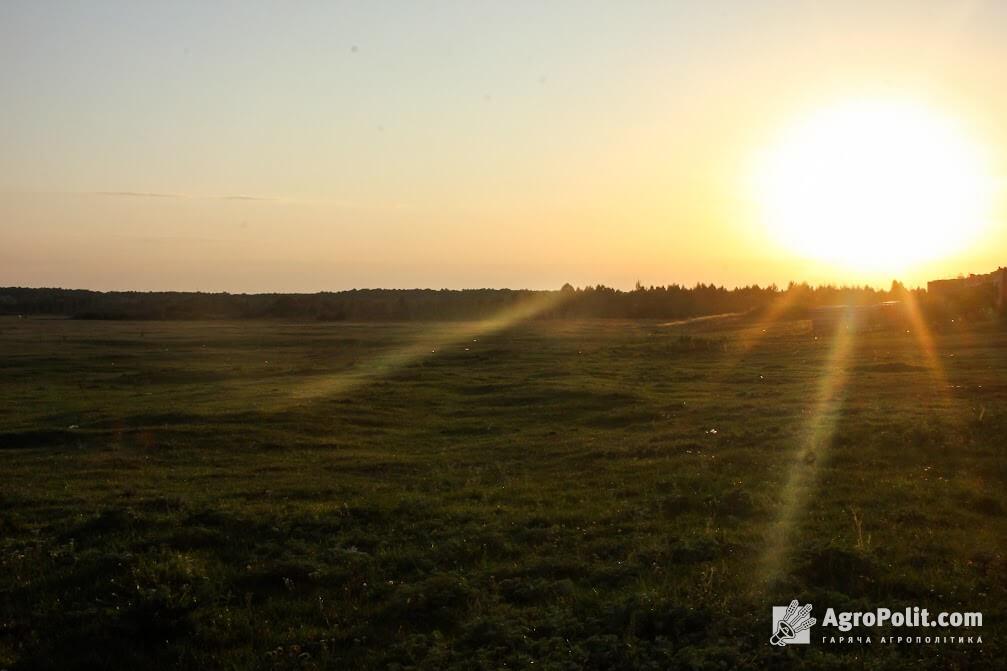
(603, 495)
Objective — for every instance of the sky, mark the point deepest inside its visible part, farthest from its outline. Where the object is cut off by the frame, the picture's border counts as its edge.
(306, 146)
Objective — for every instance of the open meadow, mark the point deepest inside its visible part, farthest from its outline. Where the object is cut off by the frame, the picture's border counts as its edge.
(549, 495)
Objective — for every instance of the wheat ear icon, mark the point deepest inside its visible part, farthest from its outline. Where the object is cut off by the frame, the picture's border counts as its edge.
(795, 620)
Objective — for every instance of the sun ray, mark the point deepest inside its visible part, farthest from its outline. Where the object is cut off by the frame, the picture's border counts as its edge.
(426, 343)
(920, 330)
(800, 482)
(750, 337)
(773, 313)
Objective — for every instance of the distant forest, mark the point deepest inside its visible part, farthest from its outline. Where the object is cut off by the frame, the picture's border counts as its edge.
(654, 302)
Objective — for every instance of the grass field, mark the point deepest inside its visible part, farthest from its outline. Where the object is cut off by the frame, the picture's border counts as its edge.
(551, 495)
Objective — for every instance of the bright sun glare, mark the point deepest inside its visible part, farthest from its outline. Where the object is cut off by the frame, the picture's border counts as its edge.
(875, 185)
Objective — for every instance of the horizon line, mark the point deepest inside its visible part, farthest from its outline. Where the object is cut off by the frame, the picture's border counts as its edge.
(778, 288)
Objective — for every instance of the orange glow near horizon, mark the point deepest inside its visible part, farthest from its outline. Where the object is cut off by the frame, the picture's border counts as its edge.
(828, 143)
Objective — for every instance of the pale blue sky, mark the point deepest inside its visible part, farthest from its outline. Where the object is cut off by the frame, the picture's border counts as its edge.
(434, 144)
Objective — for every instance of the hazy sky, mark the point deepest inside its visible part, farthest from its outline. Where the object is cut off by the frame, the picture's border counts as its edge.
(304, 146)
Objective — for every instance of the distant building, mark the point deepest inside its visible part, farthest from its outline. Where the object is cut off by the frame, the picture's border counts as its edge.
(965, 290)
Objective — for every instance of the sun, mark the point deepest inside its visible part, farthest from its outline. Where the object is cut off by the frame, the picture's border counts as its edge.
(875, 185)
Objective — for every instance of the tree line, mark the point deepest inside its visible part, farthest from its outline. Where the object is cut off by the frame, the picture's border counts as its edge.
(643, 302)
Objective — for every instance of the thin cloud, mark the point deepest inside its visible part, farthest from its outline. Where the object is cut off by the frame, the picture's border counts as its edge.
(338, 203)
(243, 197)
(341, 204)
(180, 196)
(137, 194)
